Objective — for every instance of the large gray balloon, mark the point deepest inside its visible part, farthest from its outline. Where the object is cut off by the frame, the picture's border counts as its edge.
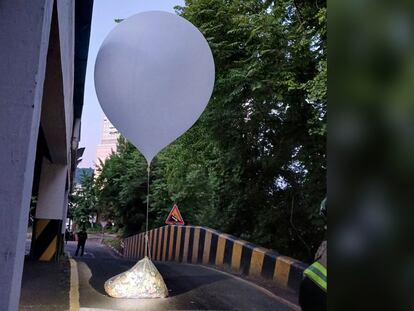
(154, 75)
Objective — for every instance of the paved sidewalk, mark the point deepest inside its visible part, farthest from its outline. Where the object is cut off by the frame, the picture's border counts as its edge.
(45, 286)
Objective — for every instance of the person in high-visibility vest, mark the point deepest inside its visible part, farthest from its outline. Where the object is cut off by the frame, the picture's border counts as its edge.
(314, 287)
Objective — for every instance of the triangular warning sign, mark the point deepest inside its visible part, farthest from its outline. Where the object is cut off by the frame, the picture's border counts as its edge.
(174, 217)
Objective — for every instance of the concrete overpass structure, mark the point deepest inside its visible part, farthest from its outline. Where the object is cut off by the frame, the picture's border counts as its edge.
(42, 65)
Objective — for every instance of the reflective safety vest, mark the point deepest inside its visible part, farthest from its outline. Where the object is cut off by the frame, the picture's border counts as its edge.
(318, 274)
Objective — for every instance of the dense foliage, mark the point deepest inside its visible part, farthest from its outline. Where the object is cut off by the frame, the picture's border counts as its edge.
(80, 173)
(254, 165)
(83, 200)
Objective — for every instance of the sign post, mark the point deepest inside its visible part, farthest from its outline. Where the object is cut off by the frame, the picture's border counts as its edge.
(174, 217)
(103, 224)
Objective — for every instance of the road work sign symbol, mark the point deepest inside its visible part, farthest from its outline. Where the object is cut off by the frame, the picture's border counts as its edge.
(174, 217)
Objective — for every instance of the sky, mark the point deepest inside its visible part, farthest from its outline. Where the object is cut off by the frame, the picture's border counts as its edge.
(104, 13)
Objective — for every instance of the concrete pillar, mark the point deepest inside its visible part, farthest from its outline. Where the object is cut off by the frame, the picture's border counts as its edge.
(52, 197)
(65, 210)
(64, 218)
(56, 123)
(24, 37)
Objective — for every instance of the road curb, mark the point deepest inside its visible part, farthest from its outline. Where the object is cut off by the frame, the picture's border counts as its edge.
(74, 286)
(118, 253)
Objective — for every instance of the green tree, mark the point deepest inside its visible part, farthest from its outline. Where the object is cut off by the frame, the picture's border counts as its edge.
(121, 188)
(254, 164)
(264, 130)
(83, 200)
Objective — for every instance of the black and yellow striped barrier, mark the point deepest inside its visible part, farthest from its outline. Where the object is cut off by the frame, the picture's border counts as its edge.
(200, 245)
(46, 239)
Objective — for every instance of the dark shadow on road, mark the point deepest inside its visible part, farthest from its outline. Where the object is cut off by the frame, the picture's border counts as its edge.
(103, 269)
(188, 277)
(39, 280)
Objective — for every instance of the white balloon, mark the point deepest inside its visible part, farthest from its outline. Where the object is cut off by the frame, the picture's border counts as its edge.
(154, 75)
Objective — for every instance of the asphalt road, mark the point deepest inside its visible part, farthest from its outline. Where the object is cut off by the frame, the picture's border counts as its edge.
(191, 287)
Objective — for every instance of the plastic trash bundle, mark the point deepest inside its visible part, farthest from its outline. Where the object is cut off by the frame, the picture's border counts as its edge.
(141, 281)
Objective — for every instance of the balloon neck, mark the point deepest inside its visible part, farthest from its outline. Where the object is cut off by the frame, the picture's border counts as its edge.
(148, 161)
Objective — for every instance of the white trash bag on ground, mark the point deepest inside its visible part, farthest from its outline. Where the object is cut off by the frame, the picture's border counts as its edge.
(141, 281)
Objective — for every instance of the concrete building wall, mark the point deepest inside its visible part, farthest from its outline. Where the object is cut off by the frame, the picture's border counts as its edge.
(109, 140)
(37, 79)
(24, 38)
(51, 199)
(103, 152)
(57, 123)
(66, 21)
(65, 211)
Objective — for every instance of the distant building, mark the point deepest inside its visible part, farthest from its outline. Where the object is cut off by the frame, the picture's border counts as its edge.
(109, 139)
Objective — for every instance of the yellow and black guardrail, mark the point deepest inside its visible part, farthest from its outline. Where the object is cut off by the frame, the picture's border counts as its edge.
(200, 245)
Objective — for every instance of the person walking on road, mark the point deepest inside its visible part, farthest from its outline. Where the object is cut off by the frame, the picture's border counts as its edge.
(82, 237)
(66, 235)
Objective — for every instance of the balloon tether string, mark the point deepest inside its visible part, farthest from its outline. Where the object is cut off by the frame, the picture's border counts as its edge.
(147, 251)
